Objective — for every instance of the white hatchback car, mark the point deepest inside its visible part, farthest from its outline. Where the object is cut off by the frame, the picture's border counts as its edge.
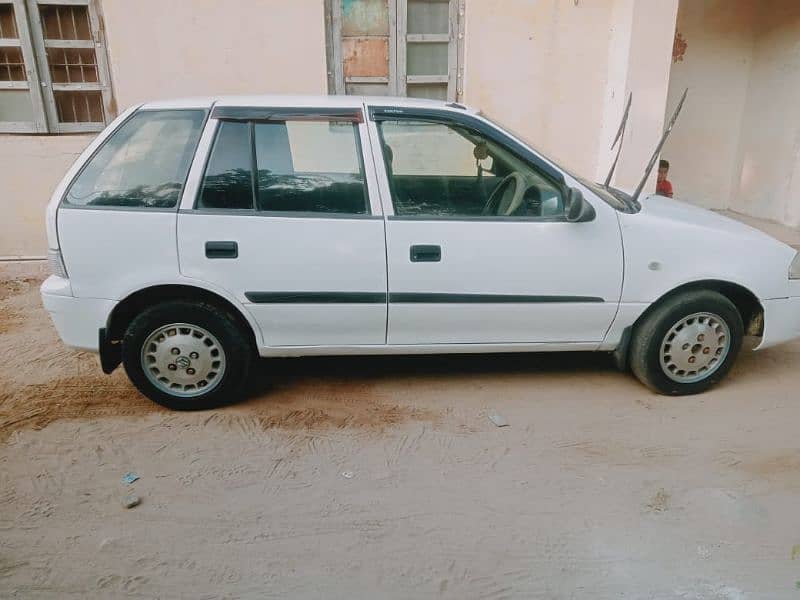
(193, 235)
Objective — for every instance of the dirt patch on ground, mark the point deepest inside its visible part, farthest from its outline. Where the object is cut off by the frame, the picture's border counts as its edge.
(776, 466)
(39, 404)
(43, 382)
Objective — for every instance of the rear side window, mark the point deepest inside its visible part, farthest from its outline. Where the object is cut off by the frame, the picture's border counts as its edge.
(286, 166)
(143, 164)
(309, 166)
(228, 182)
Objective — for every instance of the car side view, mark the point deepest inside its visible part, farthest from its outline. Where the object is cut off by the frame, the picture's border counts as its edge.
(194, 235)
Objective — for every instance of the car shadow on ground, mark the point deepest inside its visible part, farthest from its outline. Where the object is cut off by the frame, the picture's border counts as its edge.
(269, 372)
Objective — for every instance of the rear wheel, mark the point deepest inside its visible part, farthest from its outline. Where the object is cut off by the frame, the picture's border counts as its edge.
(187, 356)
(687, 344)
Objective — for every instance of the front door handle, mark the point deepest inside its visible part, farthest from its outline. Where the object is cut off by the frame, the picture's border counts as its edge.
(426, 253)
(222, 250)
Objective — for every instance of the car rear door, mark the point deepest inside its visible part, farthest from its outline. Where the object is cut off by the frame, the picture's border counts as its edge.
(281, 215)
(460, 276)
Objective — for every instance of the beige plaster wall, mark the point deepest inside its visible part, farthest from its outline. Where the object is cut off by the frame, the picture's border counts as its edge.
(164, 49)
(541, 67)
(704, 145)
(768, 181)
(648, 60)
(558, 72)
(30, 167)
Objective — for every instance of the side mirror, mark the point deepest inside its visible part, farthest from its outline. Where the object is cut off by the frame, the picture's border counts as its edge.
(577, 209)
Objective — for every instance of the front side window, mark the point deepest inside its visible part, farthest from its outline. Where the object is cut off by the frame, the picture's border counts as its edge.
(143, 164)
(300, 167)
(448, 170)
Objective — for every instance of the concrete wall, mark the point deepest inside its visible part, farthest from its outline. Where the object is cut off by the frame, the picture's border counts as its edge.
(768, 165)
(163, 49)
(704, 145)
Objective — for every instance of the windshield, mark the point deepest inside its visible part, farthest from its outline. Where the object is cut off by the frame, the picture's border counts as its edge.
(613, 197)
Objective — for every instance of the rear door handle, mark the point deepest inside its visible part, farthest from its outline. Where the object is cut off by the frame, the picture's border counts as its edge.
(222, 250)
(426, 253)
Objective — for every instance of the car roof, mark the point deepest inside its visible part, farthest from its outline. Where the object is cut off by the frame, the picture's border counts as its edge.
(320, 101)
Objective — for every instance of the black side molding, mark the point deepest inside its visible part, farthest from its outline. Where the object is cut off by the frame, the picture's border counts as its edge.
(408, 298)
(426, 298)
(316, 297)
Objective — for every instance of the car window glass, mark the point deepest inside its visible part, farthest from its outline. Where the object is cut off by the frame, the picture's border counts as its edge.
(228, 180)
(445, 169)
(143, 164)
(309, 166)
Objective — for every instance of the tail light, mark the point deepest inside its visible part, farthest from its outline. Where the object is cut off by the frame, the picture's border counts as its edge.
(56, 263)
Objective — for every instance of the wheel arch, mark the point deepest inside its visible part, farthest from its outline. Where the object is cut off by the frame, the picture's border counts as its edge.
(133, 304)
(745, 301)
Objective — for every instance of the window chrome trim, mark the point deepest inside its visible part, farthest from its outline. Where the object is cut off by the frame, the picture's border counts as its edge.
(258, 113)
(152, 209)
(249, 212)
(477, 218)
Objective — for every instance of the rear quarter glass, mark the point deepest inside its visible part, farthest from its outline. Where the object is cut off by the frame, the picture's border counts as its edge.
(143, 164)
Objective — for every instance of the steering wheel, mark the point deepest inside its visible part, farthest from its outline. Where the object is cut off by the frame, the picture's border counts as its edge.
(507, 197)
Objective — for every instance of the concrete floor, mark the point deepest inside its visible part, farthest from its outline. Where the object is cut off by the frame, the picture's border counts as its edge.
(384, 478)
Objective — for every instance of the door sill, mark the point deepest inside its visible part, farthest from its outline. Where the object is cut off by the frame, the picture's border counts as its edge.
(477, 348)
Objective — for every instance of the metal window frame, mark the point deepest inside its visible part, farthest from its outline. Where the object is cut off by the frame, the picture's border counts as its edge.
(34, 50)
(399, 37)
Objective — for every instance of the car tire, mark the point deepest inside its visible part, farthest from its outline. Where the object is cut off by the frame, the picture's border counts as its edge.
(687, 343)
(187, 355)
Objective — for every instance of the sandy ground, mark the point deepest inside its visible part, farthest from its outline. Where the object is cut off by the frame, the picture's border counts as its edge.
(383, 478)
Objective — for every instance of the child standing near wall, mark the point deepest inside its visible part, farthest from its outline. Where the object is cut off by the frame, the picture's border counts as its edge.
(664, 186)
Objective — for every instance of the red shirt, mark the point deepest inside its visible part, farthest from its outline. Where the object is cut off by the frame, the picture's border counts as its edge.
(664, 188)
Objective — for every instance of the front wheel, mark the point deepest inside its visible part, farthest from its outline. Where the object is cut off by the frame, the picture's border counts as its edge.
(687, 344)
(187, 355)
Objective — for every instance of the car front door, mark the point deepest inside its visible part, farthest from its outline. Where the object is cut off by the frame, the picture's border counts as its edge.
(280, 216)
(478, 247)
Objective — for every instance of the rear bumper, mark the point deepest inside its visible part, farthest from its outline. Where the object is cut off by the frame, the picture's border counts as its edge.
(781, 321)
(77, 320)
